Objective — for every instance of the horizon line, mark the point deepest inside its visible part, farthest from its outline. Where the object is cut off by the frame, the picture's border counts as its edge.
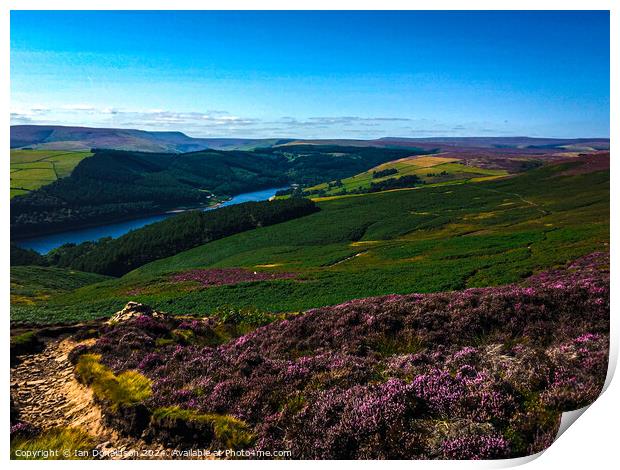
(315, 139)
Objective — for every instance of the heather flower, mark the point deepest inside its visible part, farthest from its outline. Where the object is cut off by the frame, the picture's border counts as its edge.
(476, 448)
(227, 276)
(23, 429)
(443, 375)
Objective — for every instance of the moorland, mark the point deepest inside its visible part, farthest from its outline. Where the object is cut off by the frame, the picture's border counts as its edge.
(360, 314)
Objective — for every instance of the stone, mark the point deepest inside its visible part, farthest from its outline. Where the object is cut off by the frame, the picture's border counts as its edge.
(133, 310)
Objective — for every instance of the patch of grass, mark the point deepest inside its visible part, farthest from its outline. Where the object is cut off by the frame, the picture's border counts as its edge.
(24, 339)
(231, 432)
(243, 316)
(162, 342)
(31, 169)
(126, 389)
(182, 336)
(390, 346)
(295, 404)
(32, 284)
(24, 343)
(54, 444)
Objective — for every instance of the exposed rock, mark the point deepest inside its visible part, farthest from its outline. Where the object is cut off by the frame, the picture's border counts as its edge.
(58, 399)
(35, 382)
(133, 310)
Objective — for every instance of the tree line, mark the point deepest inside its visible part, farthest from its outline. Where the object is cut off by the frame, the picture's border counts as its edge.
(114, 185)
(116, 257)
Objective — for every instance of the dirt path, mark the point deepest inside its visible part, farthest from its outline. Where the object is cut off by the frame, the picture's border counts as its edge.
(521, 198)
(47, 394)
(359, 253)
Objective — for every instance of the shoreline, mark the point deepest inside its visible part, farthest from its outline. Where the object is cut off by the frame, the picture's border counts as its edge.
(180, 210)
(114, 221)
(114, 228)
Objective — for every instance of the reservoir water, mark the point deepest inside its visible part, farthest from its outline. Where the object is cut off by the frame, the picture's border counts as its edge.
(45, 243)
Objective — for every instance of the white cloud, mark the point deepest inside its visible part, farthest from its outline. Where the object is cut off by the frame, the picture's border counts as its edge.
(78, 107)
(219, 123)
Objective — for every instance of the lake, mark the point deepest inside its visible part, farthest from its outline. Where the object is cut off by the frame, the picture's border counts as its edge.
(45, 243)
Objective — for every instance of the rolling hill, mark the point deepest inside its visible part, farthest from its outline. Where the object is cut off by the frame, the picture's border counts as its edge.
(427, 170)
(86, 138)
(481, 373)
(498, 144)
(423, 240)
(463, 319)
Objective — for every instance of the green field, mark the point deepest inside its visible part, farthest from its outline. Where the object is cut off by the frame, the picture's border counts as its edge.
(31, 169)
(420, 240)
(432, 169)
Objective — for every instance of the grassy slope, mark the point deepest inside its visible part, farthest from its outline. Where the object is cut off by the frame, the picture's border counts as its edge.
(421, 166)
(31, 169)
(31, 284)
(420, 240)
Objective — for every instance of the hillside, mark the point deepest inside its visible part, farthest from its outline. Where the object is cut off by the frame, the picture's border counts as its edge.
(492, 319)
(476, 374)
(427, 170)
(32, 284)
(419, 240)
(500, 144)
(176, 234)
(86, 138)
(114, 185)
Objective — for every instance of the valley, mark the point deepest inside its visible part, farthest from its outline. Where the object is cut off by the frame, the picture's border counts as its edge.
(115, 185)
(45, 243)
(307, 235)
(392, 276)
(417, 240)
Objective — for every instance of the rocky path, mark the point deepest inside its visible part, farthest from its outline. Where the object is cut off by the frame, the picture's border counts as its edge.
(47, 394)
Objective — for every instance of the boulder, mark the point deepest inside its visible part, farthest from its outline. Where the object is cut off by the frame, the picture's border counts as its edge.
(133, 310)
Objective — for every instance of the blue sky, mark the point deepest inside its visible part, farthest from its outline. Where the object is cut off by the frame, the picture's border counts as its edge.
(315, 74)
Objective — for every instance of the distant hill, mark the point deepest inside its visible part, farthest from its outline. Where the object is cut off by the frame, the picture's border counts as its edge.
(583, 144)
(456, 143)
(86, 138)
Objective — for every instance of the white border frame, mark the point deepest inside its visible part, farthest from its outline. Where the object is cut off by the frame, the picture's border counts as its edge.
(592, 443)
